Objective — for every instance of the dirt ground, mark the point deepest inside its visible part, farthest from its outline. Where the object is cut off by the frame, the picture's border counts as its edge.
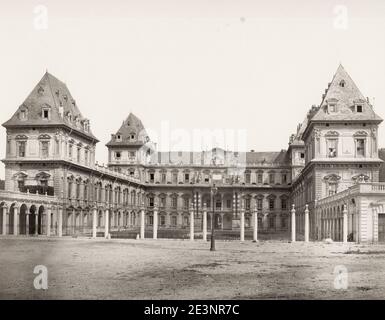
(177, 269)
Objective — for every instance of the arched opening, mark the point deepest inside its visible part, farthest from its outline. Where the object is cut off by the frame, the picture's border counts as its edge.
(23, 219)
(100, 218)
(2, 207)
(40, 220)
(11, 219)
(32, 220)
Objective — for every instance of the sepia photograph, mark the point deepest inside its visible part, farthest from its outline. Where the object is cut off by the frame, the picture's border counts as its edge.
(213, 151)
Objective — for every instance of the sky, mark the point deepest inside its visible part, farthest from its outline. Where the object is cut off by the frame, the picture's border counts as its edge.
(253, 68)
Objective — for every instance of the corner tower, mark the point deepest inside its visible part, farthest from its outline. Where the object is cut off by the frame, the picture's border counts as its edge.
(129, 148)
(341, 139)
(46, 134)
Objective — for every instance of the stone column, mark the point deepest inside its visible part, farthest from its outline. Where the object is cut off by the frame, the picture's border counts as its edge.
(293, 224)
(4, 221)
(155, 224)
(204, 222)
(142, 223)
(15, 220)
(94, 222)
(106, 222)
(255, 229)
(242, 223)
(27, 223)
(345, 224)
(60, 222)
(306, 223)
(191, 223)
(48, 220)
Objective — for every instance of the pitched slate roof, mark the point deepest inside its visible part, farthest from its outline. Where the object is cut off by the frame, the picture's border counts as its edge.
(344, 93)
(205, 157)
(53, 93)
(132, 125)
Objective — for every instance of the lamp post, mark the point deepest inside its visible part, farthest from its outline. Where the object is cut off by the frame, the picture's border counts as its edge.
(214, 190)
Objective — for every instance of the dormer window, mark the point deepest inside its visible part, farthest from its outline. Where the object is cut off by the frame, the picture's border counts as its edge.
(332, 108)
(118, 155)
(118, 138)
(23, 114)
(45, 113)
(132, 136)
(342, 83)
(359, 108)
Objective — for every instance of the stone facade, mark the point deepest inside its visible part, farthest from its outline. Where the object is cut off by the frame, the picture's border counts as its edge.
(50, 153)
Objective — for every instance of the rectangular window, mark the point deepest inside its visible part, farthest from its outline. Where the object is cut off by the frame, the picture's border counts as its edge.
(207, 178)
(271, 204)
(259, 204)
(332, 108)
(359, 108)
(70, 151)
(260, 178)
(69, 189)
(45, 114)
(78, 155)
(173, 220)
(162, 202)
(272, 222)
(152, 177)
(86, 157)
(247, 204)
(85, 195)
(332, 148)
(151, 202)
(174, 202)
(162, 220)
(118, 155)
(23, 115)
(151, 220)
(228, 204)
(20, 185)
(284, 178)
(247, 178)
(360, 145)
(21, 149)
(302, 155)
(44, 149)
(132, 154)
(185, 203)
(186, 177)
(163, 178)
(271, 178)
(175, 177)
(332, 188)
(283, 204)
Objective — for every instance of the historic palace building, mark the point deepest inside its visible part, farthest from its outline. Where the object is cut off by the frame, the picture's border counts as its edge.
(325, 185)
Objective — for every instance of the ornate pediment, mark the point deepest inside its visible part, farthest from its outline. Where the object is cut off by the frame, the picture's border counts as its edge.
(332, 177)
(21, 175)
(361, 133)
(361, 178)
(332, 133)
(43, 175)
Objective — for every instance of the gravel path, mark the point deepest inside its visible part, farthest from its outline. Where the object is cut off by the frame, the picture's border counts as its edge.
(176, 269)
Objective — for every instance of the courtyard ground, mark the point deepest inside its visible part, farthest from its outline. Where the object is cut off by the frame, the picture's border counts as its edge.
(176, 269)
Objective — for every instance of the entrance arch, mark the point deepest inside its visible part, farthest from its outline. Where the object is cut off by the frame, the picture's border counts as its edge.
(40, 220)
(23, 219)
(32, 219)
(2, 206)
(11, 218)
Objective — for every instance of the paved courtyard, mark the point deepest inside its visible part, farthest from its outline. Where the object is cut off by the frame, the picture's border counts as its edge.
(176, 269)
